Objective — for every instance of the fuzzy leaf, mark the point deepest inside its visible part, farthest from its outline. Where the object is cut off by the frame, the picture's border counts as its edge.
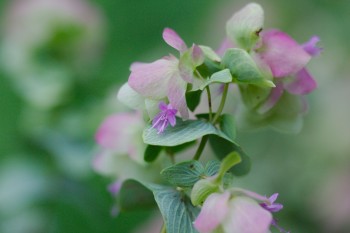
(223, 76)
(152, 153)
(193, 98)
(227, 125)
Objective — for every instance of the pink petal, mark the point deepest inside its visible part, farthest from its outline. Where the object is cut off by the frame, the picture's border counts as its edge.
(116, 132)
(302, 84)
(247, 216)
(172, 119)
(197, 55)
(213, 212)
(273, 198)
(225, 45)
(311, 46)
(151, 79)
(163, 106)
(176, 94)
(284, 55)
(273, 98)
(174, 40)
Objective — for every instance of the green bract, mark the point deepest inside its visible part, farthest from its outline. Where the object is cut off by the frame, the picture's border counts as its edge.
(244, 26)
(243, 68)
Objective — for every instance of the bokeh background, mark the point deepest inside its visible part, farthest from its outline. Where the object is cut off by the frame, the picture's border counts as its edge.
(61, 63)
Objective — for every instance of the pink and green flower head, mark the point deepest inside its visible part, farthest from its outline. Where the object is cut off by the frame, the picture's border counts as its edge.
(166, 116)
(168, 76)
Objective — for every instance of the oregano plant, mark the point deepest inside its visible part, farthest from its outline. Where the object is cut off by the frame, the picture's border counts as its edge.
(181, 103)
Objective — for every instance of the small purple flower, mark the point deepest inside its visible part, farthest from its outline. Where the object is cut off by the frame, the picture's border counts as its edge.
(164, 117)
(272, 206)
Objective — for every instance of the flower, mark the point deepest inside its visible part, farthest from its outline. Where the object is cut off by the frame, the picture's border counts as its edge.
(287, 60)
(122, 150)
(273, 207)
(232, 214)
(168, 76)
(165, 116)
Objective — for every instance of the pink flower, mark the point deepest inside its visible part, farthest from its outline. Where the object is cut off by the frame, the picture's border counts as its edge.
(287, 60)
(232, 214)
(168, 76)
(165, 116)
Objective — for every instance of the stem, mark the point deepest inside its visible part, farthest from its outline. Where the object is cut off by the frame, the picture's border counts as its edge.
(163, 230)
(216, 117)
(222, 104)
(209, 103)
(201, 147)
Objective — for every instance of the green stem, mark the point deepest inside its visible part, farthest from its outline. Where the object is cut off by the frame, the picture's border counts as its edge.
(201, 146)
(163, 230)
(209, 104)
(222, 104)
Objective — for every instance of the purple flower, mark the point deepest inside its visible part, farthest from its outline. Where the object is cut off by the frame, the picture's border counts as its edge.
(164, 117)
(272, 206)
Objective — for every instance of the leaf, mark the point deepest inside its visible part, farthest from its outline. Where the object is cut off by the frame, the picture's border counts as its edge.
(182, 132)
(222, 76)
(223, 147)
(184, 174)
(228, 126)
(212, 167)
(243, 68)
(193, 99)
(152, 153)
(210, 53)
(176, 208)
(134, 196)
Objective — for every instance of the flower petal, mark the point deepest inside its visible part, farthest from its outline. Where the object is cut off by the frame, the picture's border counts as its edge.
(247, 216)
(151, 79)
(129, 97)
(174, 40)
(176, 94)
(311, 48)
(213, 212)
(283, 54)
(302, 84)
(225, 45)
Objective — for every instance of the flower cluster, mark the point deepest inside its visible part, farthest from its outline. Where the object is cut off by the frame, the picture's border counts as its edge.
(267, 67)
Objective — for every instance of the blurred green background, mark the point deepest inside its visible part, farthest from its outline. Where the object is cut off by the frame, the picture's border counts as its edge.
(54, 93)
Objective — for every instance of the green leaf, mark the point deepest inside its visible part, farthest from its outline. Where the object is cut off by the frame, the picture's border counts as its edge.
(184, 174)
(210, 53)
(202, 189)
(176, 208)
(227, 163)
(212, 167)
(228, 126)
(253, 95)
(182, 132)
(152, 153)
(223, 76)
(193, 98)
(243, 68)
(223, 147)
(134, 196)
